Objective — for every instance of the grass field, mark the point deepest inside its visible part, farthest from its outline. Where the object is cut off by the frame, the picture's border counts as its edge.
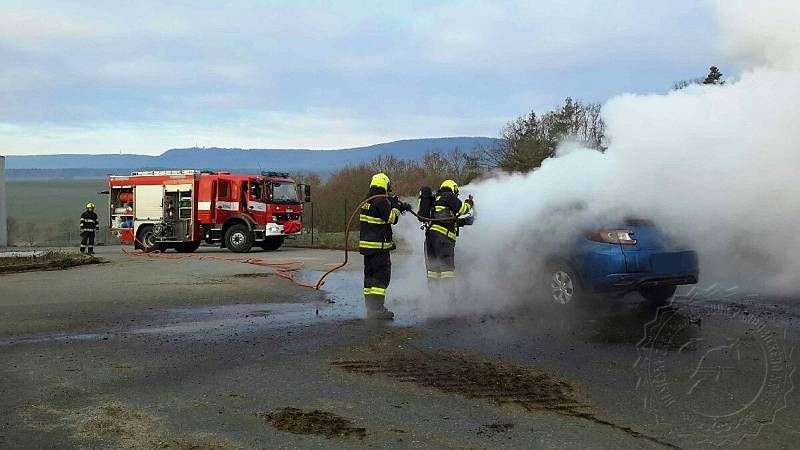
(49, 211)
(54, 200)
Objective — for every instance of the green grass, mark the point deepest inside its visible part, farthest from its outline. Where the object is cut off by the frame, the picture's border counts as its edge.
(51, 201)
(53, 208)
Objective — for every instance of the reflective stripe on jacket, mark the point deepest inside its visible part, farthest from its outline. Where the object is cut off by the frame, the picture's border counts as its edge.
(89, 221)
(376, 220)
(447, 205)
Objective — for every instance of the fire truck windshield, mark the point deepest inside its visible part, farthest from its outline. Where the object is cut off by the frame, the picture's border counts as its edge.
(283, 192)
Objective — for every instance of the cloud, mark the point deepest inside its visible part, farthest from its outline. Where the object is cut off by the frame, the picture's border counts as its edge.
(391, 66)
(35, 29)
(523, 35)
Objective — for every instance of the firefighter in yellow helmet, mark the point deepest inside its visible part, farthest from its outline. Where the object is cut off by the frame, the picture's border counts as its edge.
(89, 225)
(375, 242)
(440, 239)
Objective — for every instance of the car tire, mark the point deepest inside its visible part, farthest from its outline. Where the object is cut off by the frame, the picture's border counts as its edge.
(239, 238)
(146, 238)
(658, 294)
(272, 243)
(563, 287)
(187, 247)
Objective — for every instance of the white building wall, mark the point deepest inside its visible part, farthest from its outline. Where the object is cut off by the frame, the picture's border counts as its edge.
(3, 230)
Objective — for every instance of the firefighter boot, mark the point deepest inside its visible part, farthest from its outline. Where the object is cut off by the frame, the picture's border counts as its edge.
(375, 308)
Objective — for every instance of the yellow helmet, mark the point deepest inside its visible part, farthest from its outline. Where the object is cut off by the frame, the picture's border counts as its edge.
(90, 205)
(450, 184)
(380, 180)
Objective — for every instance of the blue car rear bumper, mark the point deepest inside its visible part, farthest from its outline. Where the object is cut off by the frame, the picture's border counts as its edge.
(607, 268)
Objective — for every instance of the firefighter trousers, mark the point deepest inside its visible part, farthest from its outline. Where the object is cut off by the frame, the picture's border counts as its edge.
(87, 242)
(440, 257)
(377, 274)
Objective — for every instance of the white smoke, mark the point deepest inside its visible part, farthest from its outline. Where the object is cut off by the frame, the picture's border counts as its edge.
(716, 167)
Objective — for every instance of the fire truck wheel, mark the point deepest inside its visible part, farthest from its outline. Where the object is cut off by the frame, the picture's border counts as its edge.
(147, 241)
(238, 238)
(272, 243)
(187, 247)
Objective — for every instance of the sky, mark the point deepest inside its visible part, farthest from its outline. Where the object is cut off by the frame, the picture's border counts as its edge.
(143, 77)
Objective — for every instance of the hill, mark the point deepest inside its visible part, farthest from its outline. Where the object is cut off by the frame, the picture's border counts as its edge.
(293, 160)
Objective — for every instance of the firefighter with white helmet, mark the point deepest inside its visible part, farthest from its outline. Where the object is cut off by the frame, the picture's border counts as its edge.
(376, 219)
(89, 225)
(440, 238)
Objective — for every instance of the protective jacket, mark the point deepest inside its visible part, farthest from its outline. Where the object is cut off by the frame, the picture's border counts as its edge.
(376, 219)
(447, 205)
(89, 223)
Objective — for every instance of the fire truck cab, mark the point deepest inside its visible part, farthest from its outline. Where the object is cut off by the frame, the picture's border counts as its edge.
(180, 209)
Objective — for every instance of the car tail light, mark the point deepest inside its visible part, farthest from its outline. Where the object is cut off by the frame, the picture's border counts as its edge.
(623, 237)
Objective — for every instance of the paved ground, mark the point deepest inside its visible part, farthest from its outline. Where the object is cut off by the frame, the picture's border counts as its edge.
(156, 353)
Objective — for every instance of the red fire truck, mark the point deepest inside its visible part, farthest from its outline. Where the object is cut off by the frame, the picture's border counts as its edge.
(180, 209)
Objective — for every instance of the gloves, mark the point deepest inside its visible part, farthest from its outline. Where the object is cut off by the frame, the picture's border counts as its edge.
(394, 201)
(470, 200)
(404, 207)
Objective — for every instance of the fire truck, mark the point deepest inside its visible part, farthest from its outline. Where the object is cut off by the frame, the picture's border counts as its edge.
(180, 209)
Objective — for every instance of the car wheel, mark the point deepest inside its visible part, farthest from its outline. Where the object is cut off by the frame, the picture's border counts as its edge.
(272, 243)
(658, 294)
(563, 286)
(239, 238)
(147, 240)
(187, 247)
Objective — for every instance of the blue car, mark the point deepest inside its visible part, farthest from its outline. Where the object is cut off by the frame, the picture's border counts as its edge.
(632, 257)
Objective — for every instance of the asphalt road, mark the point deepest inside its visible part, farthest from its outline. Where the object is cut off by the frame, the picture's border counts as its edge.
(202, 353)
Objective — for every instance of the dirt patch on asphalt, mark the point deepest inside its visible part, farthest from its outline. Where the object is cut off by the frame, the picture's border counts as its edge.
(46, 261)
(299, 421)
(41, 417)
(390, 340)
(118, 425)
(475, 378)
(114, 421)
(253, 275)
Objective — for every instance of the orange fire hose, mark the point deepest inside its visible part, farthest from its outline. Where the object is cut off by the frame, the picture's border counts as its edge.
(284, 269)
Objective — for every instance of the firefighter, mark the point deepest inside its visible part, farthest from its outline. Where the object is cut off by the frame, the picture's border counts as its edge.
(375, 242)
(89, 225)
(440, 238)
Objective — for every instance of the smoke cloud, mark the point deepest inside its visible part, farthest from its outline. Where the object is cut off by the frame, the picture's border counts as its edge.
(716, 167)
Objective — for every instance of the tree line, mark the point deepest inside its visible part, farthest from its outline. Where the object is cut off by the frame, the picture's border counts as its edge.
(526, 142)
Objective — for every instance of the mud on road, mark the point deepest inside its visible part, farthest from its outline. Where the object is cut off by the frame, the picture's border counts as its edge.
(190, 354)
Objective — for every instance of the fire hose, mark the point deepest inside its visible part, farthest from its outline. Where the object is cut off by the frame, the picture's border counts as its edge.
(284, 269)
(350, 224)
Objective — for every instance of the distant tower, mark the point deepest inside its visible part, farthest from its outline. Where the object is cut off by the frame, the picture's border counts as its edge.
(3, 230)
